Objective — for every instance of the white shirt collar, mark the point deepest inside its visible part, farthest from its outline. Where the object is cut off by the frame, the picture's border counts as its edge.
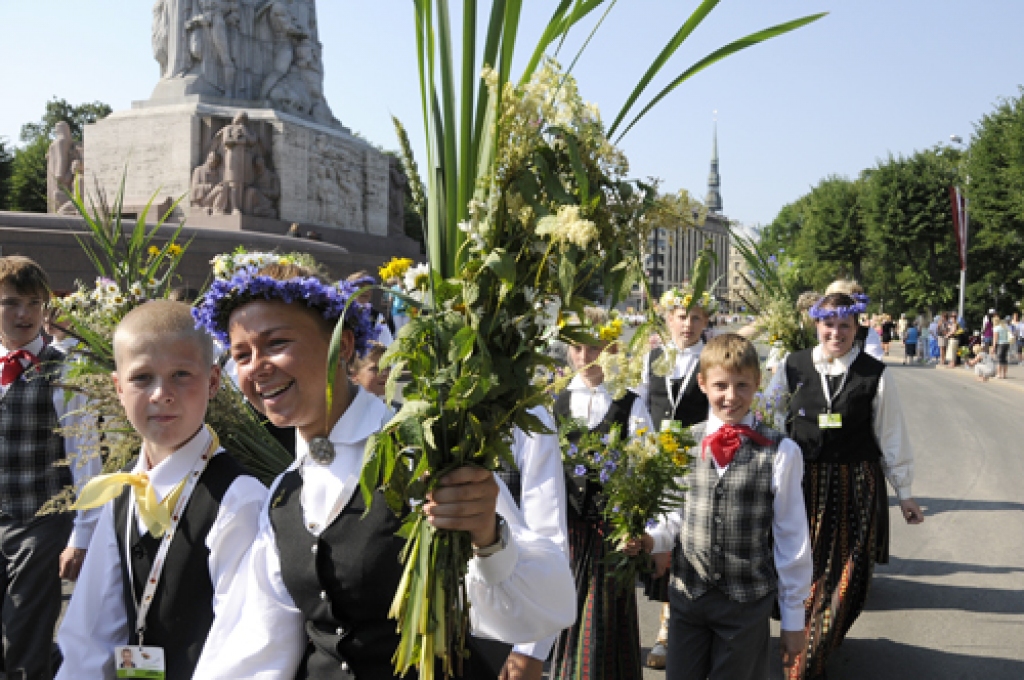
(170, 471)
(577, 385)
(363, 417)
(835, 366)
(693, 350)
(34, 348)
(714, 422)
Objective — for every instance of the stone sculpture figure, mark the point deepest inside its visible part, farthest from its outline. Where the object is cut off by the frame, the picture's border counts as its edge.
(63, 151)
(261, 197)
(78, 174)
(287, 34)
(238, 143)
(206, 186)
(170, 37)
(218, 17)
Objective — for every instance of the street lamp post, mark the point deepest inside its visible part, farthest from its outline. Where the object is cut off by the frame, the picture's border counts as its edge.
(956, 139)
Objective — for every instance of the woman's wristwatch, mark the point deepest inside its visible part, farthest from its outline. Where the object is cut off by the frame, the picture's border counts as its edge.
(501, 528)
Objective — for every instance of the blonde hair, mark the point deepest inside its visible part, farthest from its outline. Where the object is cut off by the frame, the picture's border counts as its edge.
(732, 352)
(161, 320)
(845, 286)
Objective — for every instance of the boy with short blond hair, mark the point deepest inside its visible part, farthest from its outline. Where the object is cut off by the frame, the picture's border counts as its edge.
(36, 464)
(167, 548)
(741, 536)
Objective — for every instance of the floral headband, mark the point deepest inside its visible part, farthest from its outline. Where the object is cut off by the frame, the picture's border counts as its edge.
(684, 298)
(860, 305)
(606, 332)
(226, 295)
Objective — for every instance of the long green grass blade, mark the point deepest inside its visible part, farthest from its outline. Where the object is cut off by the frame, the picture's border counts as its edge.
(681, 35)
(469, 81)
(513, 12)
(448, 141)
(722, 53)
(551, 31)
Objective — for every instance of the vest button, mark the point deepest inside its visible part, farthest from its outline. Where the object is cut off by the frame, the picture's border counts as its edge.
(314, 548)
(717, 548)
(717, 576)
(719, 491)
(718, 519)
(323, 595)
(340, 632)
(344, 666)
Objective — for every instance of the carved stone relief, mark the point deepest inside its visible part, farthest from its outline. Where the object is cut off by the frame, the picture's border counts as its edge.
(237, 177)
(61, 157)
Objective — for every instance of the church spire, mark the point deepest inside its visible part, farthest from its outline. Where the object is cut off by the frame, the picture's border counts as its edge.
(714, 198)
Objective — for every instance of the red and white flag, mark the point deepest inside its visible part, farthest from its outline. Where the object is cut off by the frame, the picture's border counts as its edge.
(960, 222)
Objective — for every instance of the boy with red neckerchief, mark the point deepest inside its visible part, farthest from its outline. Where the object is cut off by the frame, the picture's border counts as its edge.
(741, 539)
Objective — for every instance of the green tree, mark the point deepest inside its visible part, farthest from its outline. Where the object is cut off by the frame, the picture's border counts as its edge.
(6, 159)
(995, 166)
(28, 177)
(77, 117)
(834, 229)
(908, 212)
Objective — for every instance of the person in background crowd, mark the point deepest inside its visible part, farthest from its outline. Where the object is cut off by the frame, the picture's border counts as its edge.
(942, 338)
(987, 329)
(36, 463)
(910, 338)
(888, 328)
(901, 326)
(385, 327)
(1001, 336)
(1018, 335)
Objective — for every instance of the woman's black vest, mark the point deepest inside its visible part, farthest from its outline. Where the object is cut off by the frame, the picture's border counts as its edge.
(693, 405)
(181, 615)
(343, 582)
(855, 440)
(584, 495)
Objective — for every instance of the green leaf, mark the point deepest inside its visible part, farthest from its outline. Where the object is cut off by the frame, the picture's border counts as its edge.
(503, 265)
(580, 172)
(462, 344)
(717, 55)
(566, 277)
(369, 476)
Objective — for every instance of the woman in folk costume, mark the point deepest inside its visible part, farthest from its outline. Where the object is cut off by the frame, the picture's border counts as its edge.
(868, 338)
(605, 642)
(845, 414)
(675, 396)
(320, 578)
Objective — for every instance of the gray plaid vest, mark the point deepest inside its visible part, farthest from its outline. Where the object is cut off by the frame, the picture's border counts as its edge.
(725, 541)
(29, 449)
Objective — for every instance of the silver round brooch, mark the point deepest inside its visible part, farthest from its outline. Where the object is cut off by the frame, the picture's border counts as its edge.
(321, 450)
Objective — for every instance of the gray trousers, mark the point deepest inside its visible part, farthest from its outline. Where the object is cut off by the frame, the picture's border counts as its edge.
(715, 638)
(30, 587)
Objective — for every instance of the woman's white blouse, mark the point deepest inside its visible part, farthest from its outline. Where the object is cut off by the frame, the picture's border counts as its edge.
(519, 594)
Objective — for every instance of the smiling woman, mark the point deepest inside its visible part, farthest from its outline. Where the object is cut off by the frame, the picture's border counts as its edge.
(324, 568)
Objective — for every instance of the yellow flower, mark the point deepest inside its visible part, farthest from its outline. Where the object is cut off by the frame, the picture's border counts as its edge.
(681, 458)
(687, 300)
(153, 251)
(668, 443)
(174, 250)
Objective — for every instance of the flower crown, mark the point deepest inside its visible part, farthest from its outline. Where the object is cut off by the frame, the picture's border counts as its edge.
(225, 295)
(860, 305)
(684, 297)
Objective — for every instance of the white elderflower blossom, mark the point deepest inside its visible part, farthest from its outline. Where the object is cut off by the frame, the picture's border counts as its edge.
(568, 227)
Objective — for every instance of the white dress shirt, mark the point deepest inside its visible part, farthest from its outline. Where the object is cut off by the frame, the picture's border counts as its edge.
(97, 620)
(890, 431)
(543, 500)
(792, 543)
(591, 404)
(82, 463)
(518, 594)
(686, 362)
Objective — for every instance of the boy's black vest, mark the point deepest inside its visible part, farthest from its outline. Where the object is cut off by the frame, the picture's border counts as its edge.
(855, 441)
(583, 494)
(343, 582)
(181, 615)
(726, 539)
(693, 405)
(29, 449)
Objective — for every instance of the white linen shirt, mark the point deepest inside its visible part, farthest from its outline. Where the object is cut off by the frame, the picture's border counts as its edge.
(686, 361)
(792, 543)
(518, 594)
(82, 465)
(97, 620)
(890, 431)
(543, 499)
(591, 404)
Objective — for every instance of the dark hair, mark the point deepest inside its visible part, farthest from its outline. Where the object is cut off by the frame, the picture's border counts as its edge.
(24, 275)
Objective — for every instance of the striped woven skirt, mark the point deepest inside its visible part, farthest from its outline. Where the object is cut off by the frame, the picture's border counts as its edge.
(848, 510)
(604, 643)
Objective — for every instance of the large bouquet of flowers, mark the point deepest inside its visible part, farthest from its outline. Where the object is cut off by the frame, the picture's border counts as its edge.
(635, 480)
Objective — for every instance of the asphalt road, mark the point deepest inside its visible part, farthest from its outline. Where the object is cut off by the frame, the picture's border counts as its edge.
(950, 604)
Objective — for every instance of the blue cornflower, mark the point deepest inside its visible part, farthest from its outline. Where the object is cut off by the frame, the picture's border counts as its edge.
(580, 470)
(604, 476)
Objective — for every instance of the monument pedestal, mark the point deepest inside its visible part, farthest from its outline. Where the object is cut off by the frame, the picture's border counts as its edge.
(328, 178)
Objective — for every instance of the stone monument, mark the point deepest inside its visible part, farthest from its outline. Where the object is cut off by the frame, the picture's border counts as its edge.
(239, 126)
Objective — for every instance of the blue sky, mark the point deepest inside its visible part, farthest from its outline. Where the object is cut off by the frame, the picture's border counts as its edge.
(873, 77)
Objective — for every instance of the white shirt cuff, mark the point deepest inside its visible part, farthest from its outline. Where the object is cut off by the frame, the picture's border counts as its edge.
(538, 650)
(792, 617)
(663, 539)
(498, 567)
(81, 537)
(904, 493)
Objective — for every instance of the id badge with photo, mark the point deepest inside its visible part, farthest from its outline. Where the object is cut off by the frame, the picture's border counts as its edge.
(830, 421)
(139, 662)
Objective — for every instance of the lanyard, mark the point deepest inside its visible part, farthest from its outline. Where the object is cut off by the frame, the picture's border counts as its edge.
(829, 397)
(142, 606)
(674, 400)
